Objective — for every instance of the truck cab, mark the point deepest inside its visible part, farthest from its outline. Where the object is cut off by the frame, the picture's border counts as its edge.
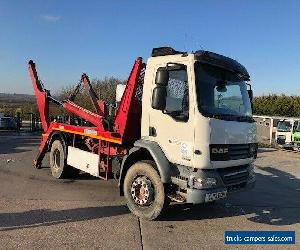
(196, 116)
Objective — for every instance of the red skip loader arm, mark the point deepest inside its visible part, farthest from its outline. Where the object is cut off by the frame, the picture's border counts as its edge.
(98, 104)
(95, 119)
(84, 114)
(41, 96)
(126, 123)
(125, 119)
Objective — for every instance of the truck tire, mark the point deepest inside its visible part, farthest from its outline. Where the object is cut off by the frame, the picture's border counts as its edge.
(144, 191)
(58, 163)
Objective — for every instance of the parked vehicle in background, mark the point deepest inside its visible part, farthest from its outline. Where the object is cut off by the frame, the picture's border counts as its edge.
(284, 133)
(266, 129)
(8, 123)
(296, 135)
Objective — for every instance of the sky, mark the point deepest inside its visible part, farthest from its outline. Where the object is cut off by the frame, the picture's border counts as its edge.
(103, 38)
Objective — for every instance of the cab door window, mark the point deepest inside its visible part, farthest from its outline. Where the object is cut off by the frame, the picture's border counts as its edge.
(177, 100)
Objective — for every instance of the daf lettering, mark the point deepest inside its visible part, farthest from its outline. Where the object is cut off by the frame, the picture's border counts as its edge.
(219, 150)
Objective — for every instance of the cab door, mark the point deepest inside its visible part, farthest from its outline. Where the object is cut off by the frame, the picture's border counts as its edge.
(172, 128)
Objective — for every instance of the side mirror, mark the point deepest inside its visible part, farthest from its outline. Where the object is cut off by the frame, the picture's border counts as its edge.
(162, 77)
(250, 94)
(159, 98)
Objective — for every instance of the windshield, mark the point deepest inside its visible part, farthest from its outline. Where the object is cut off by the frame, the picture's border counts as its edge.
(221, 94)
(297, 127)
(284, 126)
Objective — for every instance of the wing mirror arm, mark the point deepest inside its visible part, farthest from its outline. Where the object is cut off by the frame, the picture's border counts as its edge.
(250, 92)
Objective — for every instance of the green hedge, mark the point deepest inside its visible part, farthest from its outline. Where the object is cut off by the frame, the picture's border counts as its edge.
(277, 105)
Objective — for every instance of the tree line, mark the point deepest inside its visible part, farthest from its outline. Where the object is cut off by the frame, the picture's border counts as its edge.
(277, 105)
(272, 105)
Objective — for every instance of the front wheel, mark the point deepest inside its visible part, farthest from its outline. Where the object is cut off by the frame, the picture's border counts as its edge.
(144, 191)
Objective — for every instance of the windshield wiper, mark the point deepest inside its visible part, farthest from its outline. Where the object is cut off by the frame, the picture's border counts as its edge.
(229, 117)
(234, 117)
(283, 130)
(246, 118)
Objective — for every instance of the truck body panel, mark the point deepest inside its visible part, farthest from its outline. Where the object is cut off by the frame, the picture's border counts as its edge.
(83, 160)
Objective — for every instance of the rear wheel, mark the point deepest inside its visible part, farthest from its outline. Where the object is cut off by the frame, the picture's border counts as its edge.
(58, 164)
(144, 191)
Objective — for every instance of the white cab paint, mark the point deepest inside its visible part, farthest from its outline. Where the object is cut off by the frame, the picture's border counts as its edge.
(180, 140)
(232, 132)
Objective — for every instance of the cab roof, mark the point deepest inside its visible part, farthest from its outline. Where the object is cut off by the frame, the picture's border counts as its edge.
(208, 58)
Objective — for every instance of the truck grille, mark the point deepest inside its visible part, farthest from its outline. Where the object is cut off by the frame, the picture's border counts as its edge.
(234, 175)
(239, 151)
(226, 152)
(236, 187)
(281, 141)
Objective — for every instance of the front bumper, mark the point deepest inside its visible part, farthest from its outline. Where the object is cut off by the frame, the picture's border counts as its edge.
(197, 196)
(286, 145)
(228, 180)
(282, 143)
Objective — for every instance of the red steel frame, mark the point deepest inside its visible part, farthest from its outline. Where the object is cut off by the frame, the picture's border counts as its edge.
(110, 143)
(98, 104)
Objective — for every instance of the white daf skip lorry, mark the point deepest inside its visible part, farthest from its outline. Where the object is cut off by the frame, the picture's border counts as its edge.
(190, 137)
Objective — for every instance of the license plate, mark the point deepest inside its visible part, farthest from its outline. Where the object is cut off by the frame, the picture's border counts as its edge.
(215, 196)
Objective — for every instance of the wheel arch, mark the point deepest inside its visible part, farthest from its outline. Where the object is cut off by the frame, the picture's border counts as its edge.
(146, 150)
(58, 136)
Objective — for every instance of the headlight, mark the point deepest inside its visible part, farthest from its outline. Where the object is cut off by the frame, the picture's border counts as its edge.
(200, 183)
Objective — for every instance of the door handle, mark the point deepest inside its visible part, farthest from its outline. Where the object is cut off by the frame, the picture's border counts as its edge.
(197, 152)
